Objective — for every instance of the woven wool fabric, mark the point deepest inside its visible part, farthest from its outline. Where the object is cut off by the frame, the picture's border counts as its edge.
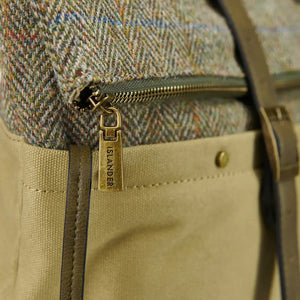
(50, 48)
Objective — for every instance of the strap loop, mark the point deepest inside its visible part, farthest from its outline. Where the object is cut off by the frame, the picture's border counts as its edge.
(274, 120)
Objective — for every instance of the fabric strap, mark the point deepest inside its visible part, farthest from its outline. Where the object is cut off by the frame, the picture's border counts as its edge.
(280, 142)
(76, 224)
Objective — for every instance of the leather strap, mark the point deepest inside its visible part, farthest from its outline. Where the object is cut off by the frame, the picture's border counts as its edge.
(287, 241)
(280, 141)
(76, 224)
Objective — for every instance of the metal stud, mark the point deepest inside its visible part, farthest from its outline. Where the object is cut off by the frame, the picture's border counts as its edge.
(222, 159)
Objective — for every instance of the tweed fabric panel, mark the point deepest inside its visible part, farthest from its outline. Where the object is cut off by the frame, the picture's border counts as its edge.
(280, 41)
(50, 48)
(109, 41)
(31, 105)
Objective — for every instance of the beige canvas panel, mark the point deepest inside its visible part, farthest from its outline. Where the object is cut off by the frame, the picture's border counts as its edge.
(10, 208)
(182, 229)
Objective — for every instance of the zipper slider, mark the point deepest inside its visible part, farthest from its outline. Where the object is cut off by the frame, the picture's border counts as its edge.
(110, 176)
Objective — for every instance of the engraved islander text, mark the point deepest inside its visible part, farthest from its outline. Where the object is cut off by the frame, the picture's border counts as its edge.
(110, 166)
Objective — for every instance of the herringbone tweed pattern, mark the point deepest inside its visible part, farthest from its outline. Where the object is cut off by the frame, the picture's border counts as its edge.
(49, 48)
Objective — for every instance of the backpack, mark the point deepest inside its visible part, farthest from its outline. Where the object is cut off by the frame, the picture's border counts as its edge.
(149, 149)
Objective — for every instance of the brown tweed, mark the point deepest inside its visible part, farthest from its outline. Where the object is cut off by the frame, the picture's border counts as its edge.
(50, 48)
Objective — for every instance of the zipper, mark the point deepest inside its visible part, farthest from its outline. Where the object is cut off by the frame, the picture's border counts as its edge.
(104, 97)
(98, 95)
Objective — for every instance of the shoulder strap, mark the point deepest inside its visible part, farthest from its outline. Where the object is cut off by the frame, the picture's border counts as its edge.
(280, 142)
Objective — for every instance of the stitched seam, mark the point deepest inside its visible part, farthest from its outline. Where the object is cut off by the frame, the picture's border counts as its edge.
(158, 184)
(42, 191)
(76, 227)
(189, 180)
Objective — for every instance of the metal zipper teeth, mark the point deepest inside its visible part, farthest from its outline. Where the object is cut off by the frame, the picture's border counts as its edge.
(165, 93)
(287, 81)
(96, 95)
(97, 98)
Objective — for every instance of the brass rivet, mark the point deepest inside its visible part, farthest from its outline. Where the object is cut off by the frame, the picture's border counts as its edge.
(222, 159)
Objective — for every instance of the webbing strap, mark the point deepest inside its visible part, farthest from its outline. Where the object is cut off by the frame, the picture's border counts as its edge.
(280, 141)
(76, 224)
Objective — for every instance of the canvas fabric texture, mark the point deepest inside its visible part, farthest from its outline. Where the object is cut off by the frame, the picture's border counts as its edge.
(178, 231)
(50, 48)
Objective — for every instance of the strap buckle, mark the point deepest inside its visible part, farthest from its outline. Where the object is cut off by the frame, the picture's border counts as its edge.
(280, 141)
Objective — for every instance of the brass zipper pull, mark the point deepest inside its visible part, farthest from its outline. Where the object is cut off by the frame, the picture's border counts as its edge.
(110, 154)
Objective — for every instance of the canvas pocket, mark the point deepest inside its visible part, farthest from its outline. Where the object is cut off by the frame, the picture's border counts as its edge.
(182, 227)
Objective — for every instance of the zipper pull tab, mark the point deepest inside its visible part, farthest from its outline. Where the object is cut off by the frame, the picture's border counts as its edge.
(110, 154)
